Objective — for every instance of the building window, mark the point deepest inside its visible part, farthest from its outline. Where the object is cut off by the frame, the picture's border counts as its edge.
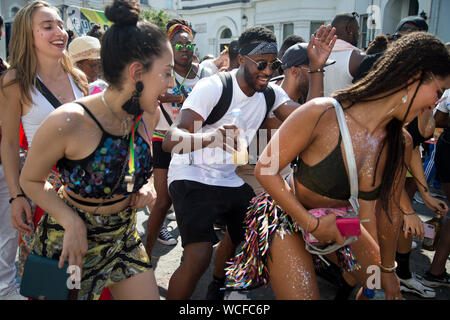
(315, 25)
(270, 27)
(288, 29)
(14, 11)
(413, 9)
(226, 34)
(364, 36)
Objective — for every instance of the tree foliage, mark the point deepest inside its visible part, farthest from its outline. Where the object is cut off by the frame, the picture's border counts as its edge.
(160, 18)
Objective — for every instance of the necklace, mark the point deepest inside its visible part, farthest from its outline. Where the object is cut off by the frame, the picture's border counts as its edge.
(187, 75)
(125, 123)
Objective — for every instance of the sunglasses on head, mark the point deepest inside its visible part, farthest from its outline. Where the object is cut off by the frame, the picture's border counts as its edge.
(262, 65)
(181, 46)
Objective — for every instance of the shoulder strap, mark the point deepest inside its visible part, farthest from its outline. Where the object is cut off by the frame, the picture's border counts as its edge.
(47, 94)
(165, 114)
(224, 102)
(349, 156)
(269, 95)
(91, 115)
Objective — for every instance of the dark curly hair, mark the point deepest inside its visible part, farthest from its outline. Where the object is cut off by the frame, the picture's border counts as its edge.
(129, 39)
(96, 32)
(256, 34)
(378, 45)
(415, 53)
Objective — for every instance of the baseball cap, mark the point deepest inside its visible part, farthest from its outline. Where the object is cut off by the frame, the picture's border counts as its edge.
(298, 55)
(84, 47)
(419, 22)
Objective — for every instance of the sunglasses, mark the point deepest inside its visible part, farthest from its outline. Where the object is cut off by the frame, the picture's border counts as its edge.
(262, 65)
(181, 46)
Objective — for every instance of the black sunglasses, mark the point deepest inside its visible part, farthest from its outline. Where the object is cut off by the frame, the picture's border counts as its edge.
(261, 65)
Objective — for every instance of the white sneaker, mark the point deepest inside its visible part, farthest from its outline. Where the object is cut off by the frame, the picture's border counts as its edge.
(171, 216)
(13, 295)
(165, 237)
(415, 285)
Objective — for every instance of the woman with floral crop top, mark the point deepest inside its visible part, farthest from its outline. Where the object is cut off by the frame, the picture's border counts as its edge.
(101, 146)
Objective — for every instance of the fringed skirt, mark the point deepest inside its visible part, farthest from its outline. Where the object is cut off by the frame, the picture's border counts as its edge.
(248, 269)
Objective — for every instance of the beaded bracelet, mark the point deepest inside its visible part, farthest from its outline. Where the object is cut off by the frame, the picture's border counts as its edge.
(389, 269)
(17, 196)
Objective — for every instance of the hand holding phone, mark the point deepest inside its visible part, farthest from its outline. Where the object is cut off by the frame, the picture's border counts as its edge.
(348, 227)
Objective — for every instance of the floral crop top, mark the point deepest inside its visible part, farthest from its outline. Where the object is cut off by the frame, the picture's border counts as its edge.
(96, 175)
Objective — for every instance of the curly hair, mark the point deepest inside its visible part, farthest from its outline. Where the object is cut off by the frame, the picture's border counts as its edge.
(128, 39)
(410, 55)
(379, 44)
(256, 34)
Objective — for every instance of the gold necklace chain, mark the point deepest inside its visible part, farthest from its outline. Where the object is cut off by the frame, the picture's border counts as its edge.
(125, 123)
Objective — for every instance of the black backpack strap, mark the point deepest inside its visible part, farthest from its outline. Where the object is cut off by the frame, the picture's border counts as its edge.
(269, 95)
(47, 94)
(224, 102)
(165, 114)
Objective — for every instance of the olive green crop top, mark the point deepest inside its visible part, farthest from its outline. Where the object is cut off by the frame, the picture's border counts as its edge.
(329, 177)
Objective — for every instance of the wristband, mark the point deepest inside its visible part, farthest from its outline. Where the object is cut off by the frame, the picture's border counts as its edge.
(389, 269)
(317, 226)
(316, 70)
(17, 196)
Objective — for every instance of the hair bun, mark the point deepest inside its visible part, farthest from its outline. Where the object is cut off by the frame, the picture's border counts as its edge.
(123, 12)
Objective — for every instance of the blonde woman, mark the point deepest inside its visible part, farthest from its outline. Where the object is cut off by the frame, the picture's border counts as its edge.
(37, 51)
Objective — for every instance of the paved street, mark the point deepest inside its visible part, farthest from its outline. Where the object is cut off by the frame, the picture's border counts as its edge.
(166, 259)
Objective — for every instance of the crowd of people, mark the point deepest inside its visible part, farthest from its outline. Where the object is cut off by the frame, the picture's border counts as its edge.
(278, 146)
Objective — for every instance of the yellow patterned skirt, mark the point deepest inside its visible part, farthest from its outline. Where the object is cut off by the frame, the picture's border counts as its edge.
(115, 250)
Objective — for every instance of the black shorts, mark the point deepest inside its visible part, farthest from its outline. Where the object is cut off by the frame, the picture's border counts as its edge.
(442, 160)
(198, 205)
(161, 159)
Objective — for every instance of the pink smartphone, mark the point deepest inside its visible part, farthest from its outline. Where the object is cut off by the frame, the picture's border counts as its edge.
(348, 226)
(429, 231)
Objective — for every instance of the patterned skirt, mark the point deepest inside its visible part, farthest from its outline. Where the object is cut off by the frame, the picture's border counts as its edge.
(115, 250)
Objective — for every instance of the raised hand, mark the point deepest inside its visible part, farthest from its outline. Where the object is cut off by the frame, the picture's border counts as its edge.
(320, 46)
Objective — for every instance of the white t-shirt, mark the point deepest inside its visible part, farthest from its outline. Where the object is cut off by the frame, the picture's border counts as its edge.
(208, 68)
(444, 105)
(215, 166)
(172, 108)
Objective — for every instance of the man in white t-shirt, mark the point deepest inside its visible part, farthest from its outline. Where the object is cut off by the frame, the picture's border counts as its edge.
(202, 179)
(347, 56)
(212, 66)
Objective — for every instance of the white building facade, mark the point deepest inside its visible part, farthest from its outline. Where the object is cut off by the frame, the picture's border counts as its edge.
(218, 22)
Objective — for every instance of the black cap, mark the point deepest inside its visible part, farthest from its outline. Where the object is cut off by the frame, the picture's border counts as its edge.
(297, 55)
(419, 22)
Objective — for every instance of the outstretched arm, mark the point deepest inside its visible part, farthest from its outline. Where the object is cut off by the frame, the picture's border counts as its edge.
(319, 49)
(284, 146)
(33, 181)
(11, 112)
